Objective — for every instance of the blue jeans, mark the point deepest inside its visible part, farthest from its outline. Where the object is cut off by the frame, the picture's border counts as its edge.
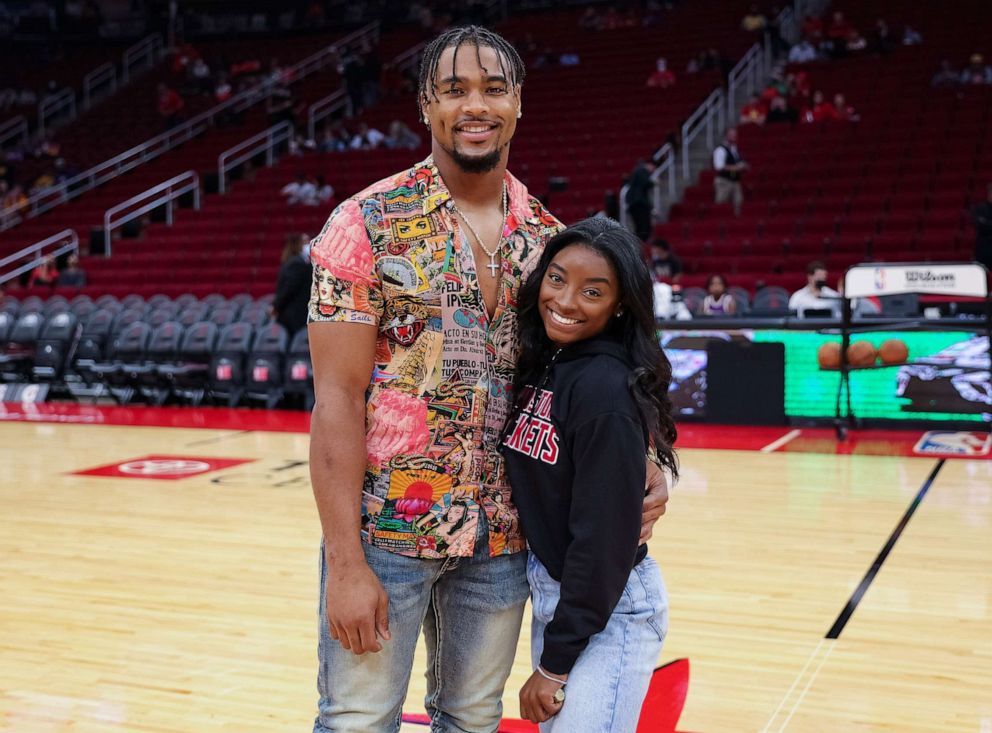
(470, 610)
(607, 685)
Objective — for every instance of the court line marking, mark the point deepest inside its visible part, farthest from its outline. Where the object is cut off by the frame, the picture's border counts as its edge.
(859, 592)
(829, 644)
(218, 438)
(776, 444)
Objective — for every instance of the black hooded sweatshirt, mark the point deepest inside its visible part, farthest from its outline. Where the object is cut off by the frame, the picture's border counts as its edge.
(576, 458)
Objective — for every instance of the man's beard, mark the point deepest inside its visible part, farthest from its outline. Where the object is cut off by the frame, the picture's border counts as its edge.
(477, 164)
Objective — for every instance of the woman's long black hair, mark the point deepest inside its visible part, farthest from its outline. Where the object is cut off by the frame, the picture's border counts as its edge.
(635, 328)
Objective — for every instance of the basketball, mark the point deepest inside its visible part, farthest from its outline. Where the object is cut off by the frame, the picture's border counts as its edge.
(893, 351)
(828, 355)
(861, 354)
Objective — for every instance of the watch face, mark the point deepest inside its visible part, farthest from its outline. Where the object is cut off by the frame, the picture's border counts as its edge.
(560, 695)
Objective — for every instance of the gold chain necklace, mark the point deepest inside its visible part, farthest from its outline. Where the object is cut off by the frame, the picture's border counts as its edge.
(492, 266)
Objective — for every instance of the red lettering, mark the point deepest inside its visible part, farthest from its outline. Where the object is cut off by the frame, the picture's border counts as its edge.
(550, 452)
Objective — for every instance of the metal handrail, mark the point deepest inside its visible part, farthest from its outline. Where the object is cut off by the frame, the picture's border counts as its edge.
(324, 108)
(164, 193)
(146, 52)
(265, 141)
(328, 105)
(52, 105)
(746, 73)
(710, 111)
(13, 129)
(105, 74)
(109, 169)
(37, 249)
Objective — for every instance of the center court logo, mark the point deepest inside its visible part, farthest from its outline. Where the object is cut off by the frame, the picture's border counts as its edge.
(168, 465)
(163, 467)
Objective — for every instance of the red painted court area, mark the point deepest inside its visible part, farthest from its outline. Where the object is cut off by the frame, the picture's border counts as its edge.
(935, 443)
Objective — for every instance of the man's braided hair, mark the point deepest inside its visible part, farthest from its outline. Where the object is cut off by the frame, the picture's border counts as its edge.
(469, 35)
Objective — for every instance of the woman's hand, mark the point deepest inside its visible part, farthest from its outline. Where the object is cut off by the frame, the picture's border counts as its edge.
(537, 698)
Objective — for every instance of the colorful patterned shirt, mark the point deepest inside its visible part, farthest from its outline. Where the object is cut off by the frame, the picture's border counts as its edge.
(394, 256)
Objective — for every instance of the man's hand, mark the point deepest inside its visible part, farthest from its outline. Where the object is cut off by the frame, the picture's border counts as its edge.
(655, 501)
(357, 607)
(537, 703)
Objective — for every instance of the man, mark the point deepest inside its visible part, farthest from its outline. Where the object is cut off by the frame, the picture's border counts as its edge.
(816, 295)
(729, 165)
(413, 337)
(639, 198)
(982, 218)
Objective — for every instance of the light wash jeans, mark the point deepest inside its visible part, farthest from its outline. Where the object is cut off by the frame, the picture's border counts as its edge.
(470, 610)
(607, 685)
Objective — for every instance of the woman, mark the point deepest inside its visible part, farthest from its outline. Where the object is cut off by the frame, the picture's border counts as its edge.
(718, 302)
(45, 274)
(293, 284)
(592, 396)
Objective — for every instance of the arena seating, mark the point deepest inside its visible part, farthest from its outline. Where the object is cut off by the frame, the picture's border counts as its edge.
(185, 350)
(131, 117)
(232, 244)
(895, 186)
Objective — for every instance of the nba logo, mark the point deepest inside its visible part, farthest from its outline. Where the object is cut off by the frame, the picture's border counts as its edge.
(880, 278)
(299, 371)
(260, 373)
(950, 443)
(224, 372)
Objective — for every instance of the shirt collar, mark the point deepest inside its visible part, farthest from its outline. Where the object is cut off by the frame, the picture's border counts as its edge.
(427, 180)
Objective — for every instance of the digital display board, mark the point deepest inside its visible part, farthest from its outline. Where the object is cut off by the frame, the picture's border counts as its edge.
(945, 379)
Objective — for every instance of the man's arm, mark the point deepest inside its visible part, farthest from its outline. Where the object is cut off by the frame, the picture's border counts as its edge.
(343, 357)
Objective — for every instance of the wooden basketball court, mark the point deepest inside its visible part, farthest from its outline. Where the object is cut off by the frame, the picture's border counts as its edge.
(173, 587)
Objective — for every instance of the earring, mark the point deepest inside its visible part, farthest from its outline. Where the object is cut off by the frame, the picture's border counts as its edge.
(519, 114)
(619, 313)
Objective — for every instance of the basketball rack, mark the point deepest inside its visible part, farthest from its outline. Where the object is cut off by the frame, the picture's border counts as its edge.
(966, 280)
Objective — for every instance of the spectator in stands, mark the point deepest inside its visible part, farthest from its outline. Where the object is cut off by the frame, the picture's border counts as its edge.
(812, 28)
(199, 74)
(170, 105)
(819, 110)
(72, 275)
(780, 111)
(45, 274)
(754, 20)
(371, 76)
(662, 77)
(817, 295)
(668, 303)
(855, 43)
(976, 72)
(639, 198)
(982, 219)
(665, 264)
(911, 36)
(753, 113)
(946, 76)
(293, 284)
(324, 191)
(300, 191)
(718, 302)
(729, 165)
(353, 70)
(401, 137)
(881, 37)
(839, 29)
(843, 112)
(367, 138)
(590, 20)
(14, 198)
(334, 140)
(803, 52)
(223, 89)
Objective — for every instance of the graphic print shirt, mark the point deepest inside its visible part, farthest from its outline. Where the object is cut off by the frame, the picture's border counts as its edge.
(393, 257)
(575, 455)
